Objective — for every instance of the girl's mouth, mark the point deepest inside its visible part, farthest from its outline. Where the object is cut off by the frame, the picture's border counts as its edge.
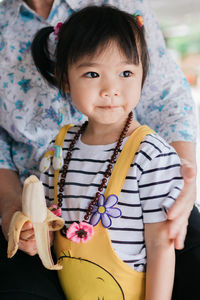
(108, 107)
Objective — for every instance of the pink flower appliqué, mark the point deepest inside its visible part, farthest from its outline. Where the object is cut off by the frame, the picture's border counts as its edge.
(81, 232)
(55, 210)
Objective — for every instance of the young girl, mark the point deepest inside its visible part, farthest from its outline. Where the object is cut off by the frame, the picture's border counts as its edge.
(119, 178)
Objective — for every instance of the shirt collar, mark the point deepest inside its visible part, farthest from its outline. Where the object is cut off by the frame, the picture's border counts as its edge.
(16, 5)
(76, 5)
(19, 6)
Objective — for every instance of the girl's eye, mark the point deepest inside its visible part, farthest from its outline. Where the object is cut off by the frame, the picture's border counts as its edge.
(91, 75)
(126, 74)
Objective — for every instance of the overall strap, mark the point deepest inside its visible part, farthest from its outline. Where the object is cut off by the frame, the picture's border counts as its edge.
(122, 165)
(59, 142)
(125, 159)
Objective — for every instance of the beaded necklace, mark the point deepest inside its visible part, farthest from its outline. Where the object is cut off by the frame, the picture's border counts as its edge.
(81, 232)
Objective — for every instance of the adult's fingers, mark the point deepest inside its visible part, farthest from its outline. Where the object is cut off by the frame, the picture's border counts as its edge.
(180, 238)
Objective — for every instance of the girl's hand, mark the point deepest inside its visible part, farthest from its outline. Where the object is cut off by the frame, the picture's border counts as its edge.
(27, 241)
(179, 213)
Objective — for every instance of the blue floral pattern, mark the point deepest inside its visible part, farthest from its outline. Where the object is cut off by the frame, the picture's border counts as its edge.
(31, 111)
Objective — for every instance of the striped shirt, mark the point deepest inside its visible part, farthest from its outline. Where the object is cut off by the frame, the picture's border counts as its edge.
(151, 187)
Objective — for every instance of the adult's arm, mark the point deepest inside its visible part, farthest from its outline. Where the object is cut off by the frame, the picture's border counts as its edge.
(10, 197)
(180, 211)
(167, 106)
(10, 186)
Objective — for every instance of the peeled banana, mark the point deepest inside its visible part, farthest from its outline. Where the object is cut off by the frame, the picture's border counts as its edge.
(34, 209)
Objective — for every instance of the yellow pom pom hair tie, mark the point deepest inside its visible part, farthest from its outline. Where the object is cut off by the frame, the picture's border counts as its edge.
(54, 152)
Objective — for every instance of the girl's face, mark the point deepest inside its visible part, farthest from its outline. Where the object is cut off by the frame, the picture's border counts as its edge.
(106, 86)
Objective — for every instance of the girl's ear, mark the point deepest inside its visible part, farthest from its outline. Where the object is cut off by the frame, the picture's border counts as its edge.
(67, 89)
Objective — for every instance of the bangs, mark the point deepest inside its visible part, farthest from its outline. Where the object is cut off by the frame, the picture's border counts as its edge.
(99, 32)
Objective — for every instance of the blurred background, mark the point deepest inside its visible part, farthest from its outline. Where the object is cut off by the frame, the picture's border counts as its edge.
(180, 23)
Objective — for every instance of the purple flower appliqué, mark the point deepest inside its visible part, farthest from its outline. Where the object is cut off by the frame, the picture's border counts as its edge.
(104, 210)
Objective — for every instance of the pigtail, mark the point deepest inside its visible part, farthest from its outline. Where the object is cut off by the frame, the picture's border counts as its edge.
(41, 55)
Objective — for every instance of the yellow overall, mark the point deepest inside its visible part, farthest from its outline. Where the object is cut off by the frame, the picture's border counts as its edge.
(93, 271)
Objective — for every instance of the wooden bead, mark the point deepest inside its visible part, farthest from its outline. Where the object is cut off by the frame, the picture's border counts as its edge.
(107, 173)
(109, 166)
(90, 208)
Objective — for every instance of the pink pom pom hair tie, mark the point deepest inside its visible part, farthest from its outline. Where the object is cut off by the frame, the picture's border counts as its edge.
(57, 29)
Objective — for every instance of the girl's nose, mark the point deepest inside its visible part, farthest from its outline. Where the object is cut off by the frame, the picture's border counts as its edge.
(109, 92)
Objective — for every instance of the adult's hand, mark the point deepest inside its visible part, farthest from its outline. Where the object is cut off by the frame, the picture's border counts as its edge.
(180, 211)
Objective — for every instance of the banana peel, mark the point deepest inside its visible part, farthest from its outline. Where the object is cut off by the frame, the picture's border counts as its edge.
(34, 209)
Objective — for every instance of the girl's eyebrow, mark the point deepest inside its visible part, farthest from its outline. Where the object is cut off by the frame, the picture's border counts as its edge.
(87, 64)
(93, 64)
(127, 62)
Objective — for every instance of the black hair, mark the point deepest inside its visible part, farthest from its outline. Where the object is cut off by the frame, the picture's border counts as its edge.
(85, 32)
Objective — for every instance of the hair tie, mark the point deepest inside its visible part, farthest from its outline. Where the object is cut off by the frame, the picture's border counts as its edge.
(57, 29)
(139, 20)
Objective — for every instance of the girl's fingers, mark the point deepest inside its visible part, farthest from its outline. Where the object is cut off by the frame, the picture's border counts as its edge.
(27, 231)
(28, 247)
(27, 235)
(28, 225)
